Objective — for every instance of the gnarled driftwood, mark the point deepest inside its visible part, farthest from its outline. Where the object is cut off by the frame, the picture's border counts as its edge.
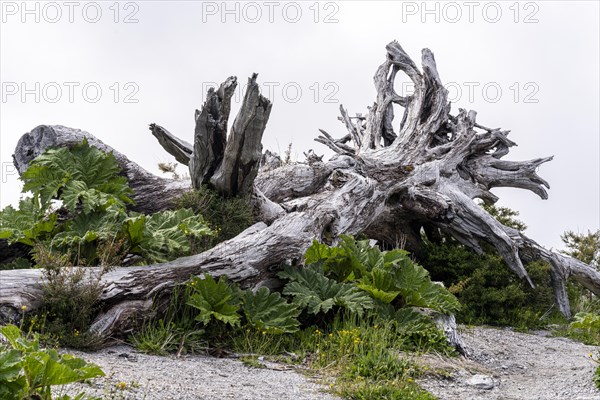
(387, 183)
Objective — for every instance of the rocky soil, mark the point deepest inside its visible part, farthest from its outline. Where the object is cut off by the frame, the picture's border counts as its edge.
(136, 376)
(503, 365)
(508, 365)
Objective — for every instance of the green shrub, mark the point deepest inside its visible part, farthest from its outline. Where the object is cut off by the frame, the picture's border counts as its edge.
(417, 332)
(585, 328)
(77, 216)
(79, 207)
(358, 333)
(387, 276)
(165, 235)
(489, 292)
(227, 216)
(29, 372)
(175, 330)
(69, 304)
(379, 364)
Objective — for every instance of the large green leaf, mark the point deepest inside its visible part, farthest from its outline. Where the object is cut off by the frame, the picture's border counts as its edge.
(87, 228)
(333, 260)
(10, 365)
(26, 224)
(165, 235)
(16, 340)
(28, 372)
(585, 320)
(318, 294)
(85, 175)
(417, 290)
(12, 382)
(384, 275)
(214, 299)
(364, 257)
(348, 261)
(270, 312)
(379, 283)
(48, 368)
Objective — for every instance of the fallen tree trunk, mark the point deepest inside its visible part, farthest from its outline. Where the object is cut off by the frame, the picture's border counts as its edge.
(388, 184)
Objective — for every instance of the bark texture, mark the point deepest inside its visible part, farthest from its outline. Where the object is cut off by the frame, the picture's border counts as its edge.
(389, 179)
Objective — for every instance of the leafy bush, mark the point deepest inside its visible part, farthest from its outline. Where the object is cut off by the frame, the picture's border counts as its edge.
(489, 292)
(220, 301)
(29, 372)
(417, 332)
(84, 177)
(79, 206)
(362, 323)
(226, 216)
(588, 321)
(387, 276)
(175, 330)
(585, 328)
(77, 216)
(28, 224)
(363, 351)
(165, 235)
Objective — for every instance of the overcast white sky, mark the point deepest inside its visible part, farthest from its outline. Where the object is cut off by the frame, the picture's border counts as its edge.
(112, 68)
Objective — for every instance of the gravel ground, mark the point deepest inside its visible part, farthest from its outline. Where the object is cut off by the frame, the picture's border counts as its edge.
(514, 366)
(193, 377)
(521, 366)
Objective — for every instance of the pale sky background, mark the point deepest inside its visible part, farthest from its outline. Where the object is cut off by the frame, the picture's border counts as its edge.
(542, 56)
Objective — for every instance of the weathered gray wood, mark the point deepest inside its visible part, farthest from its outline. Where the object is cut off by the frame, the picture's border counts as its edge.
(389, 185)
(235, 175)
(227, 164)
(180, 149)
(210, 135)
